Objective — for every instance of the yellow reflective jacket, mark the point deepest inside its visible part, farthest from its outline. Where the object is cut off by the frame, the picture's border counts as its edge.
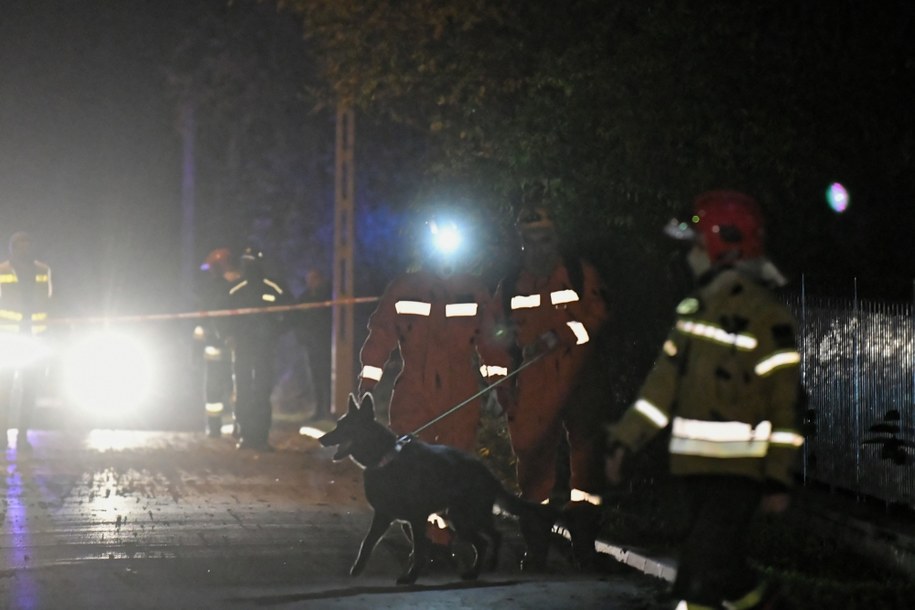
(727, 382)
(24, 301)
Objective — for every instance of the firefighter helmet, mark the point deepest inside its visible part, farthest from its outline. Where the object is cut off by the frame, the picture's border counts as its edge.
(219, 260)
(730, 223)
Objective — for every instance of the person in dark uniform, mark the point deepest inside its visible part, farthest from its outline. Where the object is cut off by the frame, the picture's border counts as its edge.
(254, 337)
(25, 296)
(313, 328)
(727, 383)
(219, 274)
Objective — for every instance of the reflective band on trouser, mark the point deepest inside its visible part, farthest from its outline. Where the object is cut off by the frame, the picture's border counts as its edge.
(526, 301)
(9, 314)
(776, 361)
(577, 495)
(458, 310)
(715, 439)
(716, 334)
(581, 334)
(560, 297)
(786, 438)
(489, 371)
(653, 413)
(214, 408)
(413, 308)
(685, 605)
(371, 372)
(748, 601)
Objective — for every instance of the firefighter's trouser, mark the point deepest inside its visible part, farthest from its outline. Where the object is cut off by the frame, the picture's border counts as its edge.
(713, 565)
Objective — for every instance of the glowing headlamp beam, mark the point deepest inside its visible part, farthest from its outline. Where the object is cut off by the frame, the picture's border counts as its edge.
(446, 237)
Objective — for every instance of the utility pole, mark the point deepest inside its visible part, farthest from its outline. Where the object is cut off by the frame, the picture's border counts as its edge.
(344, 236)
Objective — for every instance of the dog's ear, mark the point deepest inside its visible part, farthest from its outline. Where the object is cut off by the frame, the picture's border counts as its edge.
(368, 405)
(352, 406)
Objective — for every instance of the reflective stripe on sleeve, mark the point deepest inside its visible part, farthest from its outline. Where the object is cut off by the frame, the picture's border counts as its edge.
(560, 297)
(42, 278)
(458, 310)
(670, 348)
(716, 334)
(776, 361)
(214, 408)
(371, 372)
(489, 370)
(8, 278)
(212, 353)
(413, 308)
(581, 334)
(653, 413)
(525, 301)
(786, 438)
(273, 285)
(716, 439)
(238, 287)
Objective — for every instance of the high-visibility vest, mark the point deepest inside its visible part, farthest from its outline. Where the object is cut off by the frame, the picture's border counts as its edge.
(24, 301)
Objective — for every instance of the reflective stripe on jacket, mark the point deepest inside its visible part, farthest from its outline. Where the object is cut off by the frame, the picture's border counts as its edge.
(726, 381)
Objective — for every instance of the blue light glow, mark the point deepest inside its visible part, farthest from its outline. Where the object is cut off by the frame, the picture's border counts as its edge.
(837, 197)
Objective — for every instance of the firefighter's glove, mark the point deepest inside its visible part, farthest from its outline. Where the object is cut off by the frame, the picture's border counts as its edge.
(616, 459)
(542, 345)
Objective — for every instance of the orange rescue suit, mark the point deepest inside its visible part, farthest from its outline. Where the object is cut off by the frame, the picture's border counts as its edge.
(575, 312)
(437, 322)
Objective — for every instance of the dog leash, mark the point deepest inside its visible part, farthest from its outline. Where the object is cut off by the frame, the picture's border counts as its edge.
(467, 401)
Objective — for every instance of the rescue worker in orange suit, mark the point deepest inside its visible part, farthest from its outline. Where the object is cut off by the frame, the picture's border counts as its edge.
(254, 338)
(436, 316)
(726, 381)
(554, 307)
(219, 275)
(25, 296)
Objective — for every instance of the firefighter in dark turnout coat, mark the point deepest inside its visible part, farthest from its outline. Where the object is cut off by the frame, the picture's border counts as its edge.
(727, 383)
(254, 339)
(25, 296)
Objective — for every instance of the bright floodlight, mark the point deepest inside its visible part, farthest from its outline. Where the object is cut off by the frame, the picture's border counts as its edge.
(837, 197)
(107, 371)
(447, 238)
(17, 350)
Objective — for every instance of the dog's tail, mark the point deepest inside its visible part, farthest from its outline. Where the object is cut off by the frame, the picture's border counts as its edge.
(525, 509)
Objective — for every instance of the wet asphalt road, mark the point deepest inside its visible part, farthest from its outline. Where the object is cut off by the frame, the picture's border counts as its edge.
(134, 519)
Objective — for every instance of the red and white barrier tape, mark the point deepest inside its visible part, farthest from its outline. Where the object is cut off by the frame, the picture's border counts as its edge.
(216, 313)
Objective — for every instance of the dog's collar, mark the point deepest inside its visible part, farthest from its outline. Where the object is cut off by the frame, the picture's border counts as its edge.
(388, 457)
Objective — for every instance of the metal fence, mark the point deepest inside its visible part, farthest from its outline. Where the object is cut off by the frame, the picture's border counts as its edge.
(859, 372)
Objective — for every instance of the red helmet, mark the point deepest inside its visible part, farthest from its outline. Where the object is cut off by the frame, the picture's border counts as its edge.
(731, 224)
(219, 259)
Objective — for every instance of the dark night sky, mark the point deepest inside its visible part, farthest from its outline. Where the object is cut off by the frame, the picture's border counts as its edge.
(88, 147)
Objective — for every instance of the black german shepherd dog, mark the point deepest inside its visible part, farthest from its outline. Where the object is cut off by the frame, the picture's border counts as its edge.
(407, 480)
